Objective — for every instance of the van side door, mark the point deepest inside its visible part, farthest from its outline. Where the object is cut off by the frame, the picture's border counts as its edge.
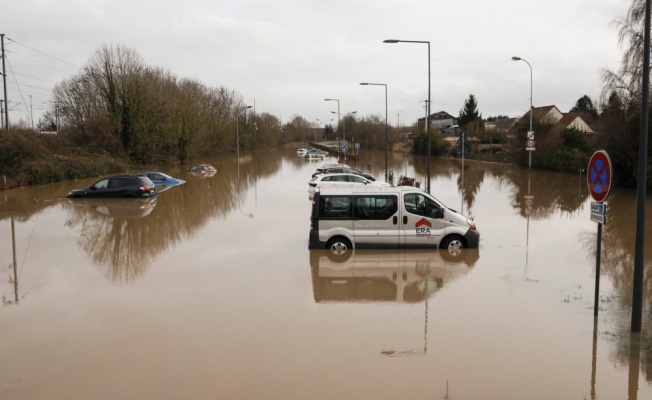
(422, 220)
(376, 221)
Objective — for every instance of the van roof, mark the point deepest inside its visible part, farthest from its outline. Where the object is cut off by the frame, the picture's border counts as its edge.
(368, 189)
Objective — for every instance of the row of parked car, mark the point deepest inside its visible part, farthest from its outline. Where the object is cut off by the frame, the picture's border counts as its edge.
(341, 175)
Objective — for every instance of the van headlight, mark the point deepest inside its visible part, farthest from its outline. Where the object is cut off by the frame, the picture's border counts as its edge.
(471, 224)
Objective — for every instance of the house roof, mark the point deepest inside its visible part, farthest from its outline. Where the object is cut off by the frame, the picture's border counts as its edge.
(438, 115)
(568, 119)
(503, 124)
(538, 113)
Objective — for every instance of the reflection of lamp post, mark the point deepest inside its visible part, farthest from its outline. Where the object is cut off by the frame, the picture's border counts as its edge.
(338, 113)
(529, 201)
(386, 136)
(428, 105)
(530, 134)
(237, 130)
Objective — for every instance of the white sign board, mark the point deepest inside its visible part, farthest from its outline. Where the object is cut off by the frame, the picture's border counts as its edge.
(599, 218)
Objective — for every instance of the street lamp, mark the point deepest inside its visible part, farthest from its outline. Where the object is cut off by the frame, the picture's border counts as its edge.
(343, 122)
(530, 134)
(237, 130)
(386, 136)
(338, 114)
(427, 116)
(324, 123)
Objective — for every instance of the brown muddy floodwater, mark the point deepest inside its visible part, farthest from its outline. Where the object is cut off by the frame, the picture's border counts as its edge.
(211, 293)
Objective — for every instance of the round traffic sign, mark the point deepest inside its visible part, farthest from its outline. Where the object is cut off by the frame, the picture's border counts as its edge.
(529, 143)
(598, 176)
(345, 148)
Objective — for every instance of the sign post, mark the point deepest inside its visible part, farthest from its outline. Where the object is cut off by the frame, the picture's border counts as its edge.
(598, 178)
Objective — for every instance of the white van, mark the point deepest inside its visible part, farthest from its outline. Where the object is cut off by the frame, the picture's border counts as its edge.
(386, 217)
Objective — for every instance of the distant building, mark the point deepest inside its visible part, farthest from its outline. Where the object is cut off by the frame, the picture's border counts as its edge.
(502, 125)
(438, 121)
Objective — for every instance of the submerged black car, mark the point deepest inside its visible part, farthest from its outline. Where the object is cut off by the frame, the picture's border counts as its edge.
(118, 186)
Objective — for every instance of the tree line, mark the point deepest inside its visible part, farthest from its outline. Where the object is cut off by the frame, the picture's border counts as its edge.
(120, 105)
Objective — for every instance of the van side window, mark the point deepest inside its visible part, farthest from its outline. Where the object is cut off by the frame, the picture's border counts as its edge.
(378, 207)
(335, 207)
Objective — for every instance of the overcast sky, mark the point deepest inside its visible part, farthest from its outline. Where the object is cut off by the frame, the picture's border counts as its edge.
(287, 56)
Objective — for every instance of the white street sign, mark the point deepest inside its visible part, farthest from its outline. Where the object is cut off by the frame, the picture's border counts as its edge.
(599, 218)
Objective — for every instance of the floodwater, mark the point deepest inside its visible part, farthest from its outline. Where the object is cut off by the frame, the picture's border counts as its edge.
(211, 293)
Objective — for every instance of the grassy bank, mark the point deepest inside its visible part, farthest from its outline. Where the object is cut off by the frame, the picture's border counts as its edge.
(30, 158)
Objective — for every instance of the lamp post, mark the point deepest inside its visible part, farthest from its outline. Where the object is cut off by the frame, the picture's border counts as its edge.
(428, 105)
(324, 123)
(237, 130)
(343, 122)
(530, 134)
(338, 114)
(386, 135)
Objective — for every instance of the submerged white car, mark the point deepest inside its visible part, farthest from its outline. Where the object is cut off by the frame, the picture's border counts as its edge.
(342, 180)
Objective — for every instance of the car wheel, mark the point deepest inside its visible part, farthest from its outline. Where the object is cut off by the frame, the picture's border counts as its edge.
(340, 249)
(452, 247)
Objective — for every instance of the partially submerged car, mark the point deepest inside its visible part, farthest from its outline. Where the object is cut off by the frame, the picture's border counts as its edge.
(118, 186)
(203, 170)
(162, 181)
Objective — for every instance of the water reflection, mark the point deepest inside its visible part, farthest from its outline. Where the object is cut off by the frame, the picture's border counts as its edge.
(118, 208)
(384, 275)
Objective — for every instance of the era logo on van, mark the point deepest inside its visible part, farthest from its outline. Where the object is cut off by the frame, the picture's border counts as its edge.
(423, 227)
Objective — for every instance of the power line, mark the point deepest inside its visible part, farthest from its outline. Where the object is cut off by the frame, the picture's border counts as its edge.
(20, 91)
(36, 62)
(45, 54)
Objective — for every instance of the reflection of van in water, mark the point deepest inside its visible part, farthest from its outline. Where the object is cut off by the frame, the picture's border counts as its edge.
(385, 275)
(392, 217)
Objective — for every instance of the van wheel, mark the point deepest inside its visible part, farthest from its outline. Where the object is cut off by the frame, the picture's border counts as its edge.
(452, 247)
(340, 249)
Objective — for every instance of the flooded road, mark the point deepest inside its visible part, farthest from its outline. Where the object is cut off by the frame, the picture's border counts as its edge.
(210, 292)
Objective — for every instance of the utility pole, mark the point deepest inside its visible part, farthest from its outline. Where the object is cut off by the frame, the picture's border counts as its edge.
(4, 79)
(31, 111)
(56, 113)
(425, 106)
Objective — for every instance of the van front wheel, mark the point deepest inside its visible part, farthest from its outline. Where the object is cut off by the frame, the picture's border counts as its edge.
(452, 247)
(339, 248)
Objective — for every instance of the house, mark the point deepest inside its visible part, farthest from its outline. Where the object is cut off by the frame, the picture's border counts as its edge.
(438, 121)
(550, 115)
(501, 125)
